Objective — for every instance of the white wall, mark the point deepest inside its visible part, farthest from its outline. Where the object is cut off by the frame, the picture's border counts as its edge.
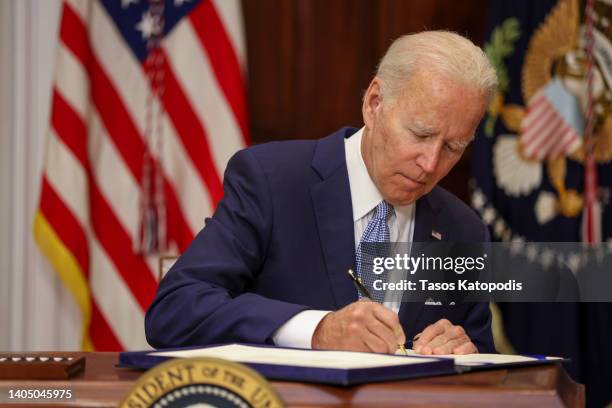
(36, 313)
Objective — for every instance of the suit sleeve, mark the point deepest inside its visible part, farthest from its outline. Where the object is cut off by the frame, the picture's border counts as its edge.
(204, 298)
(477, 325)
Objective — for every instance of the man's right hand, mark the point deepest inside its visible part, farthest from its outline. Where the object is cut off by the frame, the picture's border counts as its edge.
(360, 326)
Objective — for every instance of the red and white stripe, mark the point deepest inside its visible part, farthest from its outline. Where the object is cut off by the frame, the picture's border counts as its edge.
(544, 132)
(94, 158)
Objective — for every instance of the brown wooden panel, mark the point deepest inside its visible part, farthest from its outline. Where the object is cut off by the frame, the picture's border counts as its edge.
(270, 56)
(309, 61)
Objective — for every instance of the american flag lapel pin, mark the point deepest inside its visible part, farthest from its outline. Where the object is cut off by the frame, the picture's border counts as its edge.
(436, 235)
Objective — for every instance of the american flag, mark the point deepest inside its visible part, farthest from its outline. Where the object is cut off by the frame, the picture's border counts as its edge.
(553, 124)
(148, 105)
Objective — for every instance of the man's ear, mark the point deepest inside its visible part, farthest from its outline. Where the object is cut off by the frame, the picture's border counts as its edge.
(372, 102)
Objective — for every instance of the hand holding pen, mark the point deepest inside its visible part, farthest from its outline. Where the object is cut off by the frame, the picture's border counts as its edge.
(360, 326)
(366, 294)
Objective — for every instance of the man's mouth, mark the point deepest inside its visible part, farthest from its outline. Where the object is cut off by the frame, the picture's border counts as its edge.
(413, 181)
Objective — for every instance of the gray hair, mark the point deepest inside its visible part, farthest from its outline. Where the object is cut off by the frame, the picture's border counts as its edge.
(439, 51)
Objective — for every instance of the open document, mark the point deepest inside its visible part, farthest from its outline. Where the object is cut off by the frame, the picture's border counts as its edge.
(332, 367)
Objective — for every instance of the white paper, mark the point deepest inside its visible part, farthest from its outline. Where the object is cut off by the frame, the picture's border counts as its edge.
(296, 357)
(483, 358)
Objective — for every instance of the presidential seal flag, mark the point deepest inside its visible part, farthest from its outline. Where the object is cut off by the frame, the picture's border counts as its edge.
(148, 105)
(543, 165)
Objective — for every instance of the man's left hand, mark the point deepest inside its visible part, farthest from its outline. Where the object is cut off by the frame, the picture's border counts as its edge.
(443, 337)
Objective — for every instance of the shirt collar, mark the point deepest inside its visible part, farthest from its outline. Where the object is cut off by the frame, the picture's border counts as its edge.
(364, 194)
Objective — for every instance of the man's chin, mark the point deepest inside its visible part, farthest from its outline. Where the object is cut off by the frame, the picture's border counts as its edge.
(403, 200)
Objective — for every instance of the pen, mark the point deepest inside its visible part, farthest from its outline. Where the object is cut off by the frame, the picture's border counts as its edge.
(366, 294)
(360, 287)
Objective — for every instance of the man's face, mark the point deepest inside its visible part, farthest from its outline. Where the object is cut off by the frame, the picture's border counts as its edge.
(412, 142)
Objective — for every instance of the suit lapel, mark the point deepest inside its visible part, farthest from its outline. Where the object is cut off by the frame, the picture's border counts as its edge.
(426, 224)
(331, 199)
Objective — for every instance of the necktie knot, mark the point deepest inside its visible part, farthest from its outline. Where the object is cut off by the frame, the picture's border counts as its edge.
(383, 211)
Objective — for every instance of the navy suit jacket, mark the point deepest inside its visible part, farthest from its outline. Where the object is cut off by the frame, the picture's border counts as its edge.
(281, 241)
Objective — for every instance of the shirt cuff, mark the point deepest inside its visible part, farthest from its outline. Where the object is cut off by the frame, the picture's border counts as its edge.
(298, 331)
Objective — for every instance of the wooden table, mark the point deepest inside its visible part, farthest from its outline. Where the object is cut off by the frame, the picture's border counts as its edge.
(104, 385)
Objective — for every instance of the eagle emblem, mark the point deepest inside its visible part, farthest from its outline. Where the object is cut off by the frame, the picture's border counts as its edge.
(547, 131)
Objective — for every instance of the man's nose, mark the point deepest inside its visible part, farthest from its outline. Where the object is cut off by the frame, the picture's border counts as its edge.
(428, 159)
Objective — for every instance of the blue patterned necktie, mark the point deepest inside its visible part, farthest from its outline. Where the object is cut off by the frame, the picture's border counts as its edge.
(374, 243)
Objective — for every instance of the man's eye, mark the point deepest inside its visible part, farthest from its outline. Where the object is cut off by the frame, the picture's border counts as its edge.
(451, 149)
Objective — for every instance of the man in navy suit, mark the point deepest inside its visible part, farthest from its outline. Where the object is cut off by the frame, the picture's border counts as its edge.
(270, 266)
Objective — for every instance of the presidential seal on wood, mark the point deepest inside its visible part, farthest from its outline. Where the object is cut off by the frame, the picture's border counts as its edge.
(201, 383)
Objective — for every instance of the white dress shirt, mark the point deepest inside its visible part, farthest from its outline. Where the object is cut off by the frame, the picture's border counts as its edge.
(298, 331)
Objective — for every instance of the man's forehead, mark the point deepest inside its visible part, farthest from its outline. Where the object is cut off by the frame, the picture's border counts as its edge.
(424, 84)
